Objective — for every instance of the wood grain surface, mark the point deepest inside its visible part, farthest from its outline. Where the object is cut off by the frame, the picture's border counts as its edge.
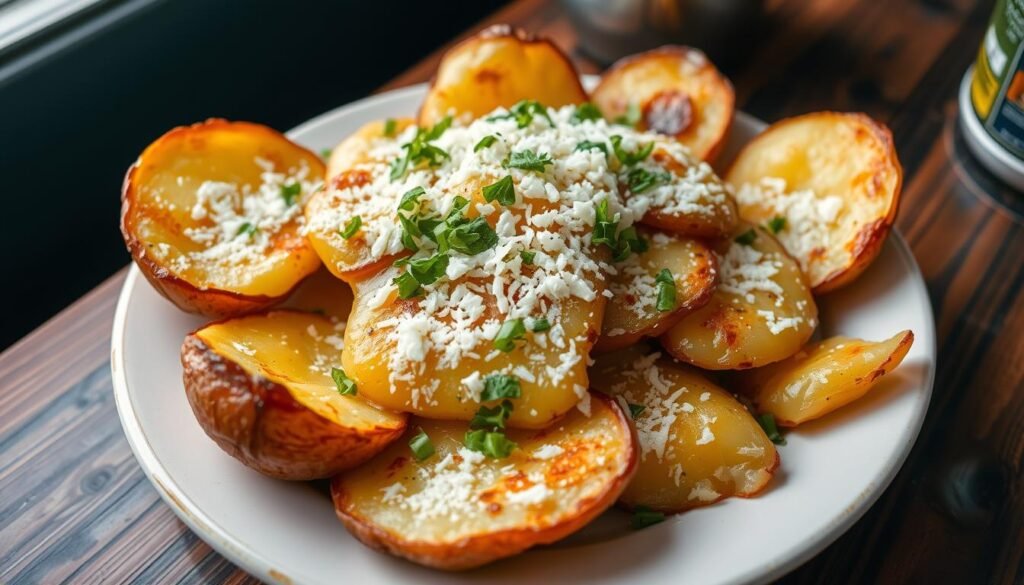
(75, 507)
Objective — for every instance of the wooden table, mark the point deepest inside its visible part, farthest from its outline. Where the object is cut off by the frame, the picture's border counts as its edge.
(75, 506)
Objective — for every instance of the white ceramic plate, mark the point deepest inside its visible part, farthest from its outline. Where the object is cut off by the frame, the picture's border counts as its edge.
(832, 470)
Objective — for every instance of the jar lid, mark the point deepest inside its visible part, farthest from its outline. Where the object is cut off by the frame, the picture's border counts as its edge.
(1001, 162)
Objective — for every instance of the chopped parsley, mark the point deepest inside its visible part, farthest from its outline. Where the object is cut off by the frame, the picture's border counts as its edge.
(352, 227)
(503, 191)
(390, 126)
(485, 142)
(247, 229)
(421, 151)
(540, 325)
(767, 422)
(629, 158)
(523, 113)
(410, 231)
(527, 257)
(290, 192)
(491, 418)
(641, 180)
(410, 198)
(326, 152)
(644, 517)
(428, 270)
(606, 232)
(631, 117)
(491, 443)
(469, 237)
(584, 112)
(746, 238)
(408, 286)
(346, 386)
(421, 446)
(510, 332)
(589, 145)
(666, 290)
(635, 409)
(528, 160)
(776, 224)
(498, 386)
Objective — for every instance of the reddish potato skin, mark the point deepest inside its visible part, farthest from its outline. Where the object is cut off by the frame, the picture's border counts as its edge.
(210, 302)
(479, 550)
(259, 423)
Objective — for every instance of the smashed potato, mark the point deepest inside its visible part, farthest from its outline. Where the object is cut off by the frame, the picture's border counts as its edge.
(458, 509)
(674, 91)
(358, 147)
(761, 312)
(634, 312)
(698, 445)
(261, 387)
(830, 184)
(499, 67)
(210, 213)
(823, 377)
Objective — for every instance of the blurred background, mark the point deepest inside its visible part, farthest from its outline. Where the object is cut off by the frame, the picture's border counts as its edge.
(85, 85)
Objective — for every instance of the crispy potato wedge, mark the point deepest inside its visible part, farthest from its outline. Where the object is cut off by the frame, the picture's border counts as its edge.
(677, 91)
(698, 444)
(261, 388)
(499, 67)
(458, 509)
(632, 312)
(358, 148)
(552, 379)
(204, 216)
(836, 180)
(761, 312)
(323, 294)
(822, 377)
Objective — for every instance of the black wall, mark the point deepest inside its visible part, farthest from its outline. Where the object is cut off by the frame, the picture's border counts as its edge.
(77, 107)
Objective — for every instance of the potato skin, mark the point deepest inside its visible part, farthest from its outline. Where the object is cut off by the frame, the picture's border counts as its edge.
(258, 422)
(479, 549)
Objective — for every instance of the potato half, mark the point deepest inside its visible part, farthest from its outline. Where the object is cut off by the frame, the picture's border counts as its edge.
(261, 388)
(499, 67)
(358, 147)
(834, 179)
(823, 377)
(698, 444)
(211, 215)
(458, 509)
(761, 312)
(633, 313)
(677, 91)
(323, 294)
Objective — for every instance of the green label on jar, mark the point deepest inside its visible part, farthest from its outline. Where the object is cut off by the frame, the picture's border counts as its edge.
(997, 89)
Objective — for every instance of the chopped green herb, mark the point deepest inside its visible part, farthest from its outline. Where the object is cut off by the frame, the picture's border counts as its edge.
(419, 150)
(290, 192)
(523, 112)
(644, 517)
(410, 231)
(493, 444)
(408, 286)
(352, 227)
(631, 116)
(629, 158)
(485, 142)
(666, 290)
(588, 145)
(604, 226)
(746, 238)
(410, 198)
(776, 224)
(504, 191)
(498, 386)
(491, 418)
(527, 257)
(469, 237)
(635, 409)
(247, 229)
(346, 386)
(767, 422)
(439, 128)
(641, 180)
(528, 161)
(629, 242)
(540, 325)
(421, 446)
(390, 126)
(428, 270)
(326, 152)
(510, 331)
(585, 111)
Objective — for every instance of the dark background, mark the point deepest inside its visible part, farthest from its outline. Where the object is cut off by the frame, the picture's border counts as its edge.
(79, 103)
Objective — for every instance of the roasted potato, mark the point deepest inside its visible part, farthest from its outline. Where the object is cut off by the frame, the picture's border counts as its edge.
(261, 388)
(698, 444)
(761, 312)
(675, 91)
(552, 379)
(633, 312)
(831, 183)
(323, 294)
(358, 148)
(211, 215)
(458, 509)
(499, 67)
(822, 377)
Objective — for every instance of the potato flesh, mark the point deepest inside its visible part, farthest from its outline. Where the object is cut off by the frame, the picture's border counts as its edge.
(163, 188)
(356, 149)
(836, 180)
(761, 312)
(678, 91)
(297, 351)
(698, 444)
(632, 312)
(324, 294)
(823, 377)
(705, 211)
(457, 500)
(434, 390)
(497, 69)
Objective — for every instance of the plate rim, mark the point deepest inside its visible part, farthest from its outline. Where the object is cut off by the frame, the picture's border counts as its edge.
(251, 561)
